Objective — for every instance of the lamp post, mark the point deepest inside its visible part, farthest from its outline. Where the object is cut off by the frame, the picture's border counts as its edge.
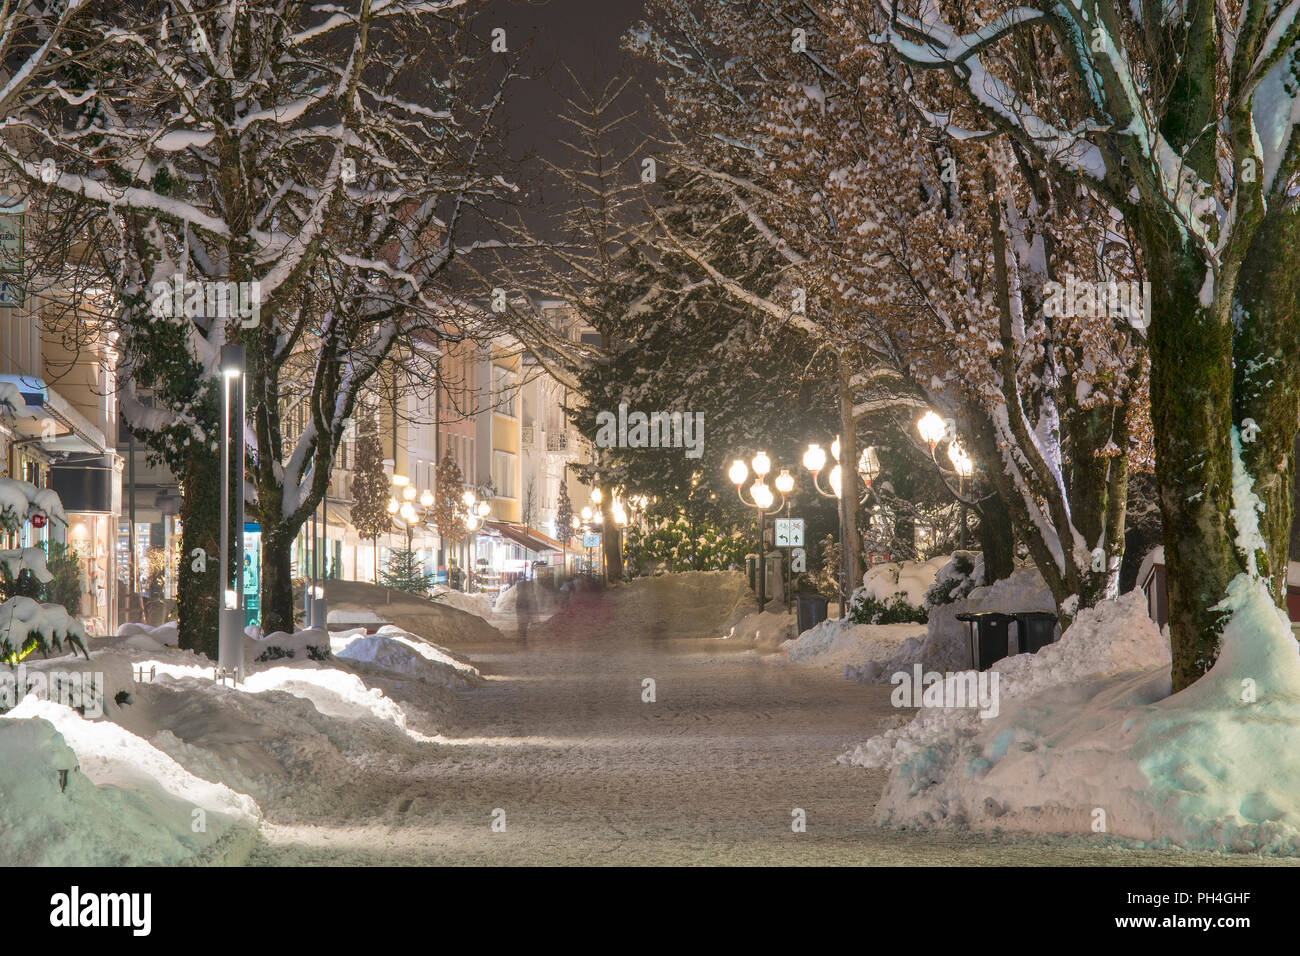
(760, 498)
(230, 626)
(814, 460)
(933, 430)
(962, 464)
(477, 514)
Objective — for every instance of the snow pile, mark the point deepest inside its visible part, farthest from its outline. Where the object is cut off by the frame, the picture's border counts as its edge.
(1024, 590)
(1088, 739)
(478, 604)
(312, 643)
(89, 793)
(767, 629)
(945, 645)
(401, 653)
(145, 637)
(1112, 638)
(845, 646)
(912, 578)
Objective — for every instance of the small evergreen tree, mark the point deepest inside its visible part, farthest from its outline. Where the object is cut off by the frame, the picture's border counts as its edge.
(563, 515)
(370, 486)
(406, 573)
(449, 511)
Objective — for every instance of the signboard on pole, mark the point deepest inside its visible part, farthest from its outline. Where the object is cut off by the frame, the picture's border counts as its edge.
(789, 532)
(591, 541)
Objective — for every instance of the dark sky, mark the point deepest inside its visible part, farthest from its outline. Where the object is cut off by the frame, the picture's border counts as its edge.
(584, 34)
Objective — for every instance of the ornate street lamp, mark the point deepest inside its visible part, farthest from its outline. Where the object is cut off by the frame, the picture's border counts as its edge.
(761, 499)
(932, 429)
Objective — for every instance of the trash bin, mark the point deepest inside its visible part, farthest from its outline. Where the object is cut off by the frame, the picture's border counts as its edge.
(1034, 630)
(811, 610)
(988, 639)
(751, 568)
(776, 577)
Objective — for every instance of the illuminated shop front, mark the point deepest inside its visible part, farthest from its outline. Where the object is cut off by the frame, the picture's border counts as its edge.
(90, 488)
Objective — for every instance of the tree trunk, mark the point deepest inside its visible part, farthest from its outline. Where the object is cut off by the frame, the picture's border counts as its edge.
(1266, 386)
(611, 539)
(198, 578)
(277, 579)
(996, 538)
(1191, 414)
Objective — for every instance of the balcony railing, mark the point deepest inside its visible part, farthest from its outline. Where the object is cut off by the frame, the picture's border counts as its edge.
(558, 441)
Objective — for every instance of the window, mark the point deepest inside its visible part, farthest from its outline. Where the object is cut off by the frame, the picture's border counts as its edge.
(503, 391)
(503, 473)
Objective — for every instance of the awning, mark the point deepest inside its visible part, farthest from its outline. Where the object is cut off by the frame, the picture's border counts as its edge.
(528, 538)
(49, 418)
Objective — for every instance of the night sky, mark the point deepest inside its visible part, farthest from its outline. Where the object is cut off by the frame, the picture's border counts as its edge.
(582, 34)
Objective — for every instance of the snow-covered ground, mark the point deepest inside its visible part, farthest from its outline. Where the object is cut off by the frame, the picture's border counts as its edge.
(1088, 739)
(845, 647)
(394, 749)
(181, 768)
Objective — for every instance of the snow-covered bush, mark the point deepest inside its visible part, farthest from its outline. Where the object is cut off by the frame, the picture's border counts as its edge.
(955, 579)
(867, 609)
(681, 545)
(26, 625)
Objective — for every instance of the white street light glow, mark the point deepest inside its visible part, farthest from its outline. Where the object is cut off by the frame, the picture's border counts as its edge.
(869, 465)
(961, 461)
(738, 473)
(785, 482)
(761, 494)
(931, 427)
(762, 464)
(814, 459)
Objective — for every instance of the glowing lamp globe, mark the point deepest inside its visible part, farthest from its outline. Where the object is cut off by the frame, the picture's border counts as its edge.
(597, 496)
(426, 499)
(836, 480)
(869, 465)
(814, 459)
(761, 494)
(961, 462)
(785, 482)
(762, 464)
(484, 508)
(738, 473)
(931, 427)
(408, 493)
(835, 448)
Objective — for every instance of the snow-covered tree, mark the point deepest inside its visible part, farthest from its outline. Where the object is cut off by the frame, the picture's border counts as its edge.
(370, 486)
(1183, 118)
(449, 508)
(920, 264)
(563, 514)
(26, 625)
(288, 177)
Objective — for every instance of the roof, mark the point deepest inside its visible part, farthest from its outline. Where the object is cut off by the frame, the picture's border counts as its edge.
(528, 538)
